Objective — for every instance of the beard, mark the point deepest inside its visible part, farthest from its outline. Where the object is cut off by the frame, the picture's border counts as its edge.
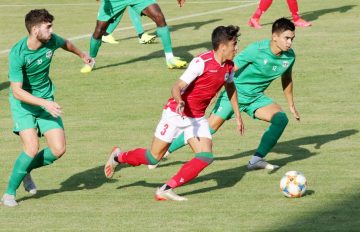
(42, 38)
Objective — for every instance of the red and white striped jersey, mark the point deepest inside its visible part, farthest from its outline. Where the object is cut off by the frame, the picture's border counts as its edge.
(205, 77)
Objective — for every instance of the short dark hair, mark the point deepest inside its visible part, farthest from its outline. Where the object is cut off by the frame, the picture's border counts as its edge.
(37, 16)
(222, 34)
(282, 24)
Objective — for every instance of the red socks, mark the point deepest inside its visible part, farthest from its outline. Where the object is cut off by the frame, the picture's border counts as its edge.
(134, 157)
(293, 7)
(263, 6)
(187, 172)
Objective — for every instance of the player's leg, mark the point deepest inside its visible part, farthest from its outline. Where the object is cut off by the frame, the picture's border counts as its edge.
(221, 112)
(108, 37)
(144, 38)
(53, 130)
(107, 11)
(199, 138)
(95, 43)
(30, 144)
(263, 6)
(278, 120)
(294, 9)
(154, 12)
(164, 134)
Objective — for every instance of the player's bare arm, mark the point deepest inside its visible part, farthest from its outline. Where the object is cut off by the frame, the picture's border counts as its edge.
(233, 97)
(70, 47)
(176, 93)
(19, 93)
(287, 85)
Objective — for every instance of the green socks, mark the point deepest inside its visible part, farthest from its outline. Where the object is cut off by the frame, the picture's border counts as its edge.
(94, 47)
(164, 34)
(24, 164)
(136, 21)
(150, 158)
(43, 158)
(112, 26)
(18, 173)
(272, 134)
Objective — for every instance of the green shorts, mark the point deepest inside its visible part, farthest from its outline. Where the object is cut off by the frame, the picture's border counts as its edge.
(114, 8)
(248, 105)
(27, 116)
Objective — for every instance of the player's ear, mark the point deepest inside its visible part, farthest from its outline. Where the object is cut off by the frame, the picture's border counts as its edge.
(275, 36)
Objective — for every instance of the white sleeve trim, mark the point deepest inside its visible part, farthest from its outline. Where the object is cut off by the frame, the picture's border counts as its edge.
(195, 69)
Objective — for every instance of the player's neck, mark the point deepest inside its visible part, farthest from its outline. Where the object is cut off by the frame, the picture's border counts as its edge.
(219, 58)
(275, 49)
(33, 43)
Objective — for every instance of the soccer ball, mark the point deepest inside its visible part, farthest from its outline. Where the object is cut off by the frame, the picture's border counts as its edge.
(293, 184)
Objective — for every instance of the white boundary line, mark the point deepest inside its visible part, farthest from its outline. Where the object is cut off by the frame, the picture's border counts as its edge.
(161, 3)
(168, 20)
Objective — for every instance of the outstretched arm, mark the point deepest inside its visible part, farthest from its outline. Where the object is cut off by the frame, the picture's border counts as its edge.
(70, 47)
(232, 94)
(287, 85)
(19, 93)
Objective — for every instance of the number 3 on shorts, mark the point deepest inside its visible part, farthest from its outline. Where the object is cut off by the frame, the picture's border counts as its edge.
(166, 126)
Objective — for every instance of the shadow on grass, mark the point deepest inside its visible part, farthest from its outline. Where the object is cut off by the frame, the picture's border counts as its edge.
(181, 51)
(340, 216)
(229, 177)
(195, 25)
(94, 178)
(89, 179)
(314, 15)
(4, 85)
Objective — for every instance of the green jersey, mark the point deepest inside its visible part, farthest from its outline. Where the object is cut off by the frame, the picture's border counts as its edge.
(31, 67)
(258, 67)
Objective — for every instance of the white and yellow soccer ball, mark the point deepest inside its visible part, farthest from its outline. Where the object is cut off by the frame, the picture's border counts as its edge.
(293, 184)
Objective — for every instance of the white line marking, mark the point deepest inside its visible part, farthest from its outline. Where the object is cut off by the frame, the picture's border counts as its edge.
(96, 4)
(168, 20)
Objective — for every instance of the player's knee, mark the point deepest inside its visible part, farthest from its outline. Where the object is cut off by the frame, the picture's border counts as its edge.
(99, 32)
(31, 150)
(280, 119)
(159, 19)
(207, 157)
(58, 150)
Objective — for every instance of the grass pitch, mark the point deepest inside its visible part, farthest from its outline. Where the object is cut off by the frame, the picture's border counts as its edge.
(121, 101)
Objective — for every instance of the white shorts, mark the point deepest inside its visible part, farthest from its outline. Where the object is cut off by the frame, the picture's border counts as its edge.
(172, 125)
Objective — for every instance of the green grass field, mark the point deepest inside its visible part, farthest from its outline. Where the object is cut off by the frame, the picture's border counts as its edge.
(121, 101)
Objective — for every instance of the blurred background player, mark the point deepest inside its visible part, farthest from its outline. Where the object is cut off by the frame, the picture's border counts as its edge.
(265, 4)
(144, 38)
(185, 111)
(110, 9)
(255, 68)
(33, 109)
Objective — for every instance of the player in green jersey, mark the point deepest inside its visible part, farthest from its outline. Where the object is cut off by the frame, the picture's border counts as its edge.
(144, 38)
(111, 9)
(256, 67)
(34, 111)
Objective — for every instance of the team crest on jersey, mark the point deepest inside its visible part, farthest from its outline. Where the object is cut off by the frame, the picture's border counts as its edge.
(49, 54)
(226, 77)
(265, 61)
(39, 61)
(285, 64)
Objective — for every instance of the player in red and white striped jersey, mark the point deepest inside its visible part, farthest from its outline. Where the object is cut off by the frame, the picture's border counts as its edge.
(184, 112)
